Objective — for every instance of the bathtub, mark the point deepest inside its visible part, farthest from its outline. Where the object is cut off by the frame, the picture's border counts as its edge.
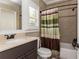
(67, 51)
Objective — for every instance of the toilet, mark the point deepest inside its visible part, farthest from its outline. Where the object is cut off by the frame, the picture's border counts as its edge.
(44, 53)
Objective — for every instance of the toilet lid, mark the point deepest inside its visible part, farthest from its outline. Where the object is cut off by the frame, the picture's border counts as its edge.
(44, 51)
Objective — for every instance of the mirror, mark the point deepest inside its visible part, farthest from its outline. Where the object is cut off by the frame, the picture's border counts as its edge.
(10, 17)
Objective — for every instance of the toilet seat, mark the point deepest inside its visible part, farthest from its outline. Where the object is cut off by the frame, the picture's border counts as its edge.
(44, 52)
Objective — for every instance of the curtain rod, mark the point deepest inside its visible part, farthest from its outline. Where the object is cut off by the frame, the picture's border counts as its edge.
(49, 13)
(66, 8)
(60, 6)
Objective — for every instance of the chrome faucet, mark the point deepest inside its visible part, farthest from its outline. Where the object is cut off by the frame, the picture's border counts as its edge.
(10, 36)
(75, 44)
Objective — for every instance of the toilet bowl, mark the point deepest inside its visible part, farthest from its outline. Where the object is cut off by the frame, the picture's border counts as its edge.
(44, 53)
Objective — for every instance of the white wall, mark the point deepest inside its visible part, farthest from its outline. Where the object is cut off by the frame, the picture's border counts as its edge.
(25, 14)
(78, 30)
(78, 24)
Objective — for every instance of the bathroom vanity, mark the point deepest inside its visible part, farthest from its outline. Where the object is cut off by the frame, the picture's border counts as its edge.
(23, 49)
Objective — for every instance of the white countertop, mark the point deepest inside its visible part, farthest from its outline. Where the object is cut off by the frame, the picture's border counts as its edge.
(11, 43)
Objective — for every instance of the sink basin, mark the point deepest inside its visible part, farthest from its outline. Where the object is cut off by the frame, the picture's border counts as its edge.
(14, 41)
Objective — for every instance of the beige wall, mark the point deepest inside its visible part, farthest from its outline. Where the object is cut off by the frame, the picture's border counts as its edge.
(62, 3)
(67, 24)
(36, 1)
(42, 5)
(13, 7)
(33, 34)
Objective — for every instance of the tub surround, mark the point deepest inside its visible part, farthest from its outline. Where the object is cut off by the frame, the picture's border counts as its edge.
(67, 50)
(77, 53)
(11, 43)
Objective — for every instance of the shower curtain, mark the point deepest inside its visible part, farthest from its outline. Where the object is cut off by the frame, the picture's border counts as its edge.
(50, 29)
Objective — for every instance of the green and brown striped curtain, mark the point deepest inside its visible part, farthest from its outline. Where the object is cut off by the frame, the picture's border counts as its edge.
(50, 24)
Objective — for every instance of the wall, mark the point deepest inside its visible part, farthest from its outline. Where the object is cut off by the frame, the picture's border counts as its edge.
(78, 26)
(25, 15)
(25, 20)
(62, 3)
(14, 7)
(33, 34)
(36, 1)
(67, 24)
(42, 5)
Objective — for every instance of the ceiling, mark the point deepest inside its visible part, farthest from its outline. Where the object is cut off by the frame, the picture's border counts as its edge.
(11, 1)
(53, 1)
(16, 1)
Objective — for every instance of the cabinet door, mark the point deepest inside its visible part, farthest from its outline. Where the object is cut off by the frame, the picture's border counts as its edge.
(31, 52)
(23, 57)
(29, 55)
(32, 55)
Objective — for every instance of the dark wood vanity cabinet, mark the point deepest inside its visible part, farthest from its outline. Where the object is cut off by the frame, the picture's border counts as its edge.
(25, 51)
